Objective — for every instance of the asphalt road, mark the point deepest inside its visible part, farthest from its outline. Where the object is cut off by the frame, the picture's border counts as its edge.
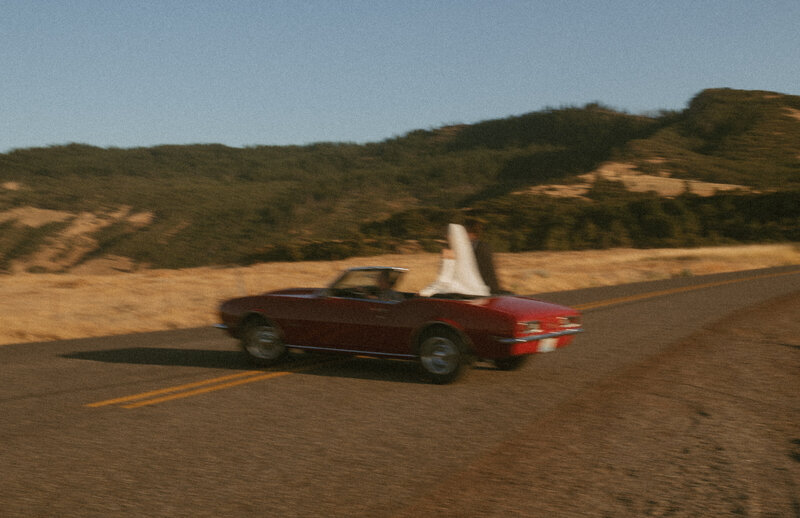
(177, 424)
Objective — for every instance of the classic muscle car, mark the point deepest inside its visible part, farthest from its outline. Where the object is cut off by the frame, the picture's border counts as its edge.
(360, 314)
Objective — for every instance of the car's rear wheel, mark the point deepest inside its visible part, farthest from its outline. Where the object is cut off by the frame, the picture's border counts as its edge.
(442, 355)
(262, 342)
(511, 363)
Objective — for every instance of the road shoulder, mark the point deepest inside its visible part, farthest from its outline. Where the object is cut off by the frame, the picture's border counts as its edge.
(709, 427)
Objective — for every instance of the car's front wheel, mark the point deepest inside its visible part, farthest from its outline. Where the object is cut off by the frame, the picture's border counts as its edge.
(442, 355)
(262, 343)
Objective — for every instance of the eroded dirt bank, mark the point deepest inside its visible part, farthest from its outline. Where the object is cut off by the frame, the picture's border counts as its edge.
(710, 427)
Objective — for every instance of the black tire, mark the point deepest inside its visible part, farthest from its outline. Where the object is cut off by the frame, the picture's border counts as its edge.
(511, 363)
(262, 343)
(442, 355)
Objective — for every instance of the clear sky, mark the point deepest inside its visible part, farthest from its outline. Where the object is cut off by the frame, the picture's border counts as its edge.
(261, 72)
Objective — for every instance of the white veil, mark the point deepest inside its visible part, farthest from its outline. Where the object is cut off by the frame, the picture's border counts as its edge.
(459, 275)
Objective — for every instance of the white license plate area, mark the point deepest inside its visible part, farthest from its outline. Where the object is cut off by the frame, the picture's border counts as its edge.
(547, 344)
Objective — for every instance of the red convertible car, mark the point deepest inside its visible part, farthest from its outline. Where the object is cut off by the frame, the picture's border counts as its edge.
(361, 314)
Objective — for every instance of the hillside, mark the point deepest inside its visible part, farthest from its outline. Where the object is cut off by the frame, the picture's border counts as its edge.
(724, 170)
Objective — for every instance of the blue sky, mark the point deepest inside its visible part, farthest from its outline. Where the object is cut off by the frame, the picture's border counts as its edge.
(260, 72)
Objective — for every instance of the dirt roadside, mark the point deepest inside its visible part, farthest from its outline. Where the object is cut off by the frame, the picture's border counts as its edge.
(710, 427)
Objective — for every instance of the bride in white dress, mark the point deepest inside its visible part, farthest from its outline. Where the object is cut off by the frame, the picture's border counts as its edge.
(459, 273)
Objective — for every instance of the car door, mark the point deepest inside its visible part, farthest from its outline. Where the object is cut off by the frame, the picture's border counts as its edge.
(380, 326)
(355, 324)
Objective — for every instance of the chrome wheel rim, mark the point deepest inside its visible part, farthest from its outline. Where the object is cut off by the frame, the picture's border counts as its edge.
(439, 355)
(264, 343)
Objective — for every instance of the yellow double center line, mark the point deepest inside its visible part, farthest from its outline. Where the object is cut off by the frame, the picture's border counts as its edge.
(190, 389)
(154, 397)
(653, 294)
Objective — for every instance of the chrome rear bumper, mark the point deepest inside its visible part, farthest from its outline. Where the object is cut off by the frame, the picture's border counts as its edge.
(534, 338)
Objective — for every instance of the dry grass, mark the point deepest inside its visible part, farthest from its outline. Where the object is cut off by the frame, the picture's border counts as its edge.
(70, 246)
(635, 181)
(39, 307)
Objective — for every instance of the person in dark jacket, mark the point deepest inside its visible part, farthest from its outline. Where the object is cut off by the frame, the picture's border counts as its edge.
(483, 255)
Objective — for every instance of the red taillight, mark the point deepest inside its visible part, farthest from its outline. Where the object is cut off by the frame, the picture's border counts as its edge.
(529, 327)
(570, 321)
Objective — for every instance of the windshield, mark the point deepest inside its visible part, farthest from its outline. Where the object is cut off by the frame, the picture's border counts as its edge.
(366, 282)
